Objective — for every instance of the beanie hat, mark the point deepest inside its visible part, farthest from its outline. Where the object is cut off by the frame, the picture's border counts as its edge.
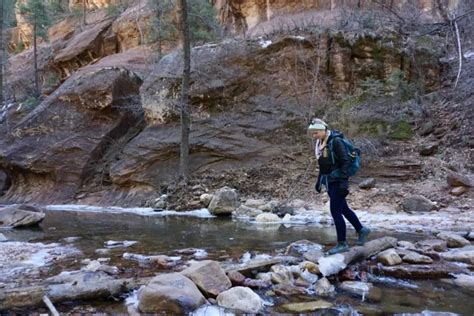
(317, 124)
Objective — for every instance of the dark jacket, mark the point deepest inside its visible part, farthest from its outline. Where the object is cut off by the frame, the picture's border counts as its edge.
(341, 158)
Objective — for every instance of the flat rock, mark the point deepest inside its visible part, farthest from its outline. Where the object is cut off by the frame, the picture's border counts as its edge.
(415, 258)
(465, 254)
(432, 244)
(453, 240)
(458, 191)
(419, 271)
(242, 299)
(246, 211)
(171, 293)
(465, 281)
(306, 307)
(302, 247)
(286, 289)
(209, 277)
(254, 266)
(356, 287)
(389, 257)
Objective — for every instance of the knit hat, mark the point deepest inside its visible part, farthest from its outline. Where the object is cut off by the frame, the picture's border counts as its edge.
(317, 124)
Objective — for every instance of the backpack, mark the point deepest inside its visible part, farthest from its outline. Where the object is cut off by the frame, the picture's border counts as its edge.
(354, 158)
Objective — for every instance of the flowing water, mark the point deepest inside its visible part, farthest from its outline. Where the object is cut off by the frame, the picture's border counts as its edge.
(229, 241)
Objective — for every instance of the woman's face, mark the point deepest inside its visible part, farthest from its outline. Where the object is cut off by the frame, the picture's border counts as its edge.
(318, 134)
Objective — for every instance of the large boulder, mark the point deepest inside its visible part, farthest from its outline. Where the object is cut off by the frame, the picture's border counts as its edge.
(20, 216)
(224, 201)
(418, 203)
(241, 299)
(209, 277)
(389, 257)
(170, 293)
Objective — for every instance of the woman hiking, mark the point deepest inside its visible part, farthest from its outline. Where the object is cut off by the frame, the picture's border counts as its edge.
(333, 161)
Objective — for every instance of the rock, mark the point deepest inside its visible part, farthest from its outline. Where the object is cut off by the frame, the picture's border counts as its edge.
(419, 271)
(356, 287)
(310, 266)
(241, 299)
(205, 199)
(324, 288)
(159, 203)
(258, 284)
(417, 203)
(406, 244)
(264, 276)
(432, 244)
(286, 289)
(171, 293)
(457, 180)
(254, 203)
(313, 255)
(428, 149)
(470, 236)
(302, 247)
(224, 201)
(3, 238)
(465, 254)
(245, 211)
(209, 277)
(389, 257)
(414, 257)
(306, 307)
(272, 205)
(20, 216)
(281, 274)
(464, 281)
(267, 218)
(426, 128)
(236, 278)
(254, 266)
(368, 183)
(453, 240)
(458, 191)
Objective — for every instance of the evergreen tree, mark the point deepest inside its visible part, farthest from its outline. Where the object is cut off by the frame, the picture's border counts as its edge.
(35, 12)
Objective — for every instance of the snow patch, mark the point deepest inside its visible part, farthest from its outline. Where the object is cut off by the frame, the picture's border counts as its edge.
(331, 264)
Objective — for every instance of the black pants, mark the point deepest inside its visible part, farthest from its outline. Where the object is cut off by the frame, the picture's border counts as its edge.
(339, 210)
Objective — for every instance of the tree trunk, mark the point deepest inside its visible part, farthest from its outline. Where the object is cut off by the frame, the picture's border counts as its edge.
(185, 120)
(35, 53)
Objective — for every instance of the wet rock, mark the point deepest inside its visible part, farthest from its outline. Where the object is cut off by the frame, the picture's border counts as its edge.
(257, 284)
(302, 247)
(71, 239)
(236, 278)
(171, 293)
(255, 266)
(453, 240)
(415, 258)
(465, 281)
(267, 218)
(284, 211)
(209, 277)
(417, 203)
(465, 254)
(119, 243)
(281, 274)
(458, 191)
(470, 236)
(95, 265)
(313, 255)
(271, 206)
(254, 203)
(264, 276)
(286, 289)
(389, 257)
(20, 216)
(205, 199)
(159, 203)
(406, 244)
(306, 307)
(310, 266)
(432, 245)
(368, 183)
(356, 287)
(242, 299)
(419, 271)
(324, 288)
(224, 201)
(457, 180)
(164, 261)
(245, 211)
(302, 282)
(428, 149)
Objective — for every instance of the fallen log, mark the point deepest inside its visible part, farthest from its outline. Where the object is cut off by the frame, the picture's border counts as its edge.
(89, 288)
(334, 263)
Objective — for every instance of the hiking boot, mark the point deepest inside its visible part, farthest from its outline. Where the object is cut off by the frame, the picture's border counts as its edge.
(363, 233)
(341, 246)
